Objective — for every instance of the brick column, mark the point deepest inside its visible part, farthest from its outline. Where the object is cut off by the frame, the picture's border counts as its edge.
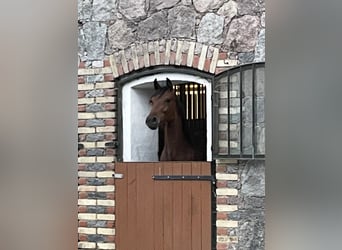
(227, 203)
(97, 125)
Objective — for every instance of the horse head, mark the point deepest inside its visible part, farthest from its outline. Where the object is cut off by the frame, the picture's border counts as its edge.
(163, 105)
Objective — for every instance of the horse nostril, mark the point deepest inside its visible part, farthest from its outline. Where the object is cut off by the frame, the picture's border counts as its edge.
(151, 119)
(152, 122)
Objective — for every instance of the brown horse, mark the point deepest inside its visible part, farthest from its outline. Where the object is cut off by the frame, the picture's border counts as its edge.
(167, 115)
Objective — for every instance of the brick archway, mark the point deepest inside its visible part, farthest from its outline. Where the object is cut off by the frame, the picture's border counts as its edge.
(171, 52)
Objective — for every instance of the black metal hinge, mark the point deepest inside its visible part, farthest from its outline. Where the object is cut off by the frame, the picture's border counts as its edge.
(184, 178)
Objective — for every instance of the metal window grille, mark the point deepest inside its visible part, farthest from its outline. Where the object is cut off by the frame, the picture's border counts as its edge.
(238, 112)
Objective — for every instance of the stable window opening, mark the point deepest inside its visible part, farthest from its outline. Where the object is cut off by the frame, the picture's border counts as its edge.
(140, 143)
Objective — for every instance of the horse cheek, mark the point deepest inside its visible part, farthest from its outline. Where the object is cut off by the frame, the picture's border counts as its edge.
(164, 109)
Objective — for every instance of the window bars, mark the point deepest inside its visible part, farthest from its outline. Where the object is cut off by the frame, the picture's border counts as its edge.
(238, 112)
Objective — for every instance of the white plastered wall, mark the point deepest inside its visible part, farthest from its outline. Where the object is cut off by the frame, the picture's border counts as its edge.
(140, 144)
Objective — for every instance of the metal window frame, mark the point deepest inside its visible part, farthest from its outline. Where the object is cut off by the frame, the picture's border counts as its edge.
(227, 74)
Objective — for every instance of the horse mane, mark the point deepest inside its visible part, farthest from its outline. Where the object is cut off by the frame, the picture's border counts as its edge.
(185, 128)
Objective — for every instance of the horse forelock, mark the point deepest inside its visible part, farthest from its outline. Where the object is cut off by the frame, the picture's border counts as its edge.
(160, 92)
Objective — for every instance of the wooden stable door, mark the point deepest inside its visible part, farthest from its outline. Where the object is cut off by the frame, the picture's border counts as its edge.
(161, 213)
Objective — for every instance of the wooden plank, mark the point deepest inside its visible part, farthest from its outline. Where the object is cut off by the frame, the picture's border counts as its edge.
(158, 210)
(196, 212)
(177, 207)
(144, 239)
(168, 205)
(121, 206)
(206, 207)
(131, 233)
(186, 208)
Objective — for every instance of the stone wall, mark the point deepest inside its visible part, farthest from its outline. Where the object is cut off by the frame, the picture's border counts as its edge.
(236, 27)
(118, 37)
(240, 204)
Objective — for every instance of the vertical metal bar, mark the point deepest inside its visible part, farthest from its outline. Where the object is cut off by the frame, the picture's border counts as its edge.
(240, 81)
(192, 101)
(205, 102)
(187, 100)
(196, 101)
(199, 101)
(202, 102)
(228, 119)
(214, 118)
(253, 112)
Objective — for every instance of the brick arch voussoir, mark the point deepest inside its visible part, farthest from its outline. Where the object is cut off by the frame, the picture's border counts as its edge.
(170, 52)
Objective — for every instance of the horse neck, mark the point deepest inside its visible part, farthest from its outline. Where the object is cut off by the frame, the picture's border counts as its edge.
(173, 133)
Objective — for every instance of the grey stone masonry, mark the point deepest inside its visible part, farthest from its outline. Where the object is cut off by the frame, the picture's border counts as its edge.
(162, 4)
(120, 35)
(182, 22)
(96, 238)
(96, 167)
(210, 29)
(205, 5)
(243, 33)
(250, 202)
(94, 78)
(92, 41)
(154, 27)
(97, 223)
(95, 137)
(103, 10)
(94, 107)
(133, 9)
(94, 123)
(252, 205)
(95, 93)
(108, 26)
(95, 152)
(260, 47)
(228, 10)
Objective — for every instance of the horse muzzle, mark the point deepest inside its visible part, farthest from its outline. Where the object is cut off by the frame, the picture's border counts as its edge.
(152, 122)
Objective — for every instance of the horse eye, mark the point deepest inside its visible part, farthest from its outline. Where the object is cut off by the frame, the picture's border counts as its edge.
(168, 100)
(150, 102)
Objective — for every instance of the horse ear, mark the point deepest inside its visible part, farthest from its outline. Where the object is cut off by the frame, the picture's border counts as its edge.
(169, 83)
(156, 84)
